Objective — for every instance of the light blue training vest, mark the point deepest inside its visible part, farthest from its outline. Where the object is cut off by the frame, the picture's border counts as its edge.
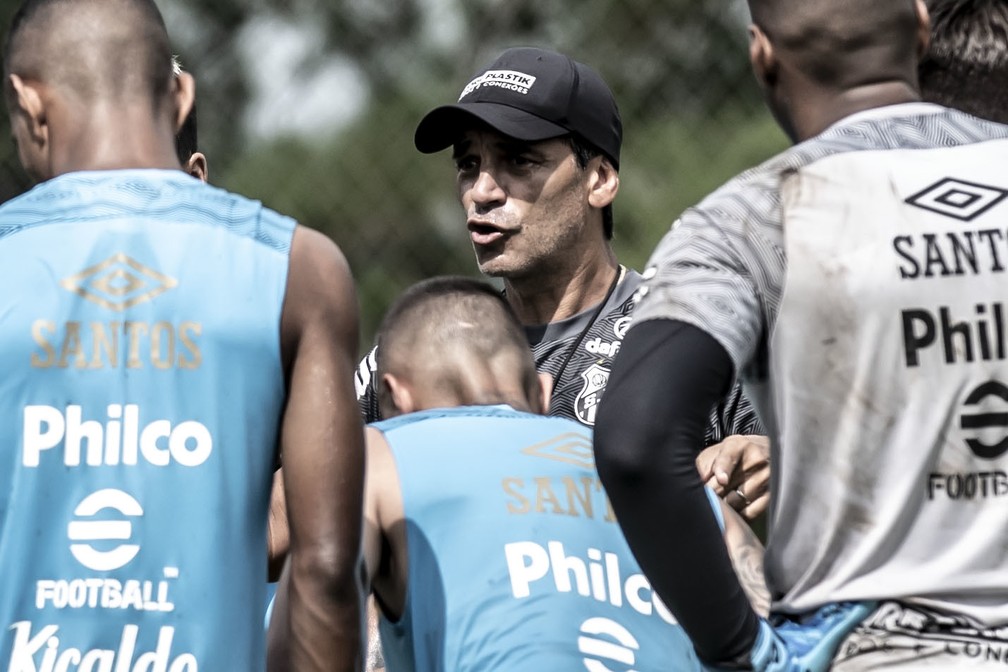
(140, 394)
(515, 560)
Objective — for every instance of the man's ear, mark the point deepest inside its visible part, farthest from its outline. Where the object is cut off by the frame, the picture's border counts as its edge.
(399, 394)
(197, 166)
(762, 57)
(923, 28)
(603, 184)
(27, 102)
(183, 96)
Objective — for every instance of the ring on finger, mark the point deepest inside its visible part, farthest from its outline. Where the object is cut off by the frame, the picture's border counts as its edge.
(742, 495)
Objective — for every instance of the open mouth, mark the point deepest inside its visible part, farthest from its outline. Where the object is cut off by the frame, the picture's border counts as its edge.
(484, 234)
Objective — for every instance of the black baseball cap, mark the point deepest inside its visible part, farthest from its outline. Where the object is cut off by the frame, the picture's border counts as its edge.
(530, 94)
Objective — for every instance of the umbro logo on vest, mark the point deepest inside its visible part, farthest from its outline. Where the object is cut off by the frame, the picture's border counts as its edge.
(957, 198)
(570, 448)
(118, 283)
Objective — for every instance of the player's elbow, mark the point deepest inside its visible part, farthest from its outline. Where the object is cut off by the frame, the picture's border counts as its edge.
(331, 571)
(622, 454)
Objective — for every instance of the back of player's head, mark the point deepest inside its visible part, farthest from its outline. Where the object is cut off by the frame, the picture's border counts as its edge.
(842, 45)
(112, 50)
(456, 338)
(966, 66)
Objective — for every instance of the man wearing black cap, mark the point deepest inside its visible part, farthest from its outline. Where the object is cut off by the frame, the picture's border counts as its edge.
(536, 141)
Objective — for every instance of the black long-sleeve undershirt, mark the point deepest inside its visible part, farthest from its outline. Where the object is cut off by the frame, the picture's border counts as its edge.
(649, 429)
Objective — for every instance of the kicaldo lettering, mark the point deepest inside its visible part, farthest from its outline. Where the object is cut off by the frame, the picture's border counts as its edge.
(119, 439)
(43, 651)
(599, 577)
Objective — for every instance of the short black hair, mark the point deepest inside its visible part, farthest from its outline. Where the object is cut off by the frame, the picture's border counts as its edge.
(185, 139)
(966, 66)
(584, 152)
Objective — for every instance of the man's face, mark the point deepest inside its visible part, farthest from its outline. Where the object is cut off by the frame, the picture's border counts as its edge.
(526, 204)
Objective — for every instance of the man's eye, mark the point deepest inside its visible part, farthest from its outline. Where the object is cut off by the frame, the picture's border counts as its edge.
(520, 161)
(465, 164)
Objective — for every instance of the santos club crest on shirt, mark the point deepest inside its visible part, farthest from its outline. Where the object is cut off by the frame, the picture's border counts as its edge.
(586, 405)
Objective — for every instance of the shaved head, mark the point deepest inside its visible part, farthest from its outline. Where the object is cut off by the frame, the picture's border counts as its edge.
(843, 44)
(94, 49)
(456, 341)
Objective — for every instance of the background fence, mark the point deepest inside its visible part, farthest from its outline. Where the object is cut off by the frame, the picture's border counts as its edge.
(311, 107)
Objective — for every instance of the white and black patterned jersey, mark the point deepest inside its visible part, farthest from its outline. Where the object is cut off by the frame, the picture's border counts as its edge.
(858, 283)
(582, 381)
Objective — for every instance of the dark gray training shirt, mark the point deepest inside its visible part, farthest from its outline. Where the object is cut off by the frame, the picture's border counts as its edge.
(582, 381)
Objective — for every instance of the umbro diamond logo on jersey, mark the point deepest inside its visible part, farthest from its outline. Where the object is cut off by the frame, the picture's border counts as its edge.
(118, 283)
(570, 448)
(957, 198)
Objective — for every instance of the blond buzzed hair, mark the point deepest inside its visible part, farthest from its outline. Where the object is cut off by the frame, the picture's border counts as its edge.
(445, 333)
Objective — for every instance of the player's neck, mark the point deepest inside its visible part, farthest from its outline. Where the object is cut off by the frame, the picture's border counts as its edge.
(114, 140)
(541, 300)
(819, 112)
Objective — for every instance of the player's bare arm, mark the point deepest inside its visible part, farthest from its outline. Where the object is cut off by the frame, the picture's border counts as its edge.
(277, 532)
(384, 527)
(746, 553)
(323, 457)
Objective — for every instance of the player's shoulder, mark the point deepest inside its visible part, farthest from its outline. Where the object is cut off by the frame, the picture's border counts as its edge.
(320, 295)
(754, 195)
(749, 196)
(315, 254)
(242, 215)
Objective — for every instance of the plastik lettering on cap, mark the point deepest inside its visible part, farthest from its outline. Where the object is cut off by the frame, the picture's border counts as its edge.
(513, 80)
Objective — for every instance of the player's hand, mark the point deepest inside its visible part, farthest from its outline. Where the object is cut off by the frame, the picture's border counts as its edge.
(738, 470)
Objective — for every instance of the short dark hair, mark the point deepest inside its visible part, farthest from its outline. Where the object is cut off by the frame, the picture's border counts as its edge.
(20, 18)
(966, 66)
(584, 152)
(451, 319)
(185, 139)
(415, 302)
(132, 46)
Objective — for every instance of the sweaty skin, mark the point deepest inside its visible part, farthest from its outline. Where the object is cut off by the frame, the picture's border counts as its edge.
(323, 459)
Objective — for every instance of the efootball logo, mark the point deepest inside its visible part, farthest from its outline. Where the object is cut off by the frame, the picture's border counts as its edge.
(985, 418)
(958, 199)
(118, 283)
(89, 530)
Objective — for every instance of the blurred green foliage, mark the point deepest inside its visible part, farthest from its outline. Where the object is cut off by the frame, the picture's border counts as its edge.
(679, 69)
